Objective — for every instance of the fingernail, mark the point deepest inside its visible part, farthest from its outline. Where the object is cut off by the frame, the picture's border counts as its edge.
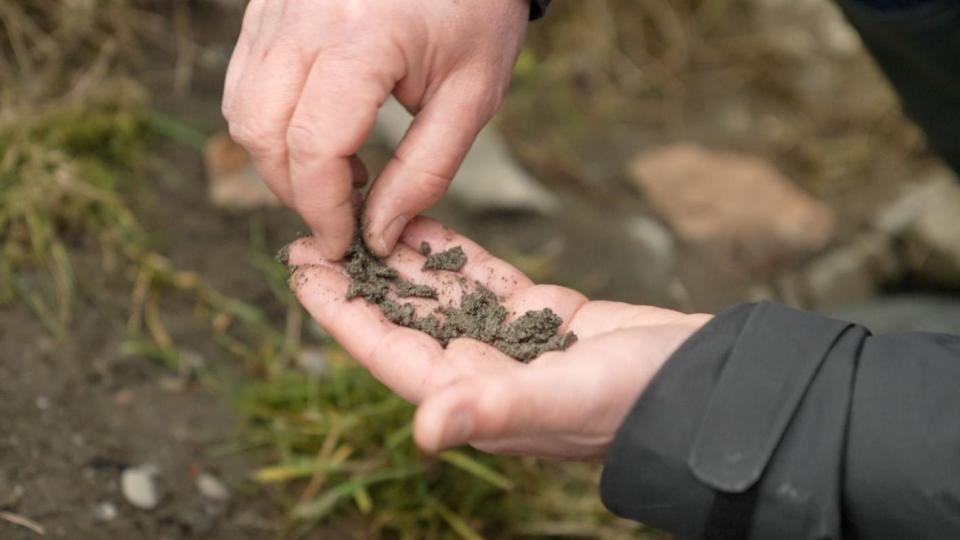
(458, 429)
(390, 235)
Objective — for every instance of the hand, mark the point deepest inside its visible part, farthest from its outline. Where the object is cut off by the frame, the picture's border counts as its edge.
(563, 404)
(307, 78)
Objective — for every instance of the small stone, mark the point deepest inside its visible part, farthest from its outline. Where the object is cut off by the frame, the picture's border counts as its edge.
(43, 403)
(932, 242)
(212, 488)
(913, 202)
(139, 488)
(105, 512)
(314, 362)
(851, 274)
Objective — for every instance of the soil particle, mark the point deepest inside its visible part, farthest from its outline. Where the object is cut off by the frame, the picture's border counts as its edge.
(452, 259)
(283, 256)
(479, 316)
(406, 289)
(425, 248)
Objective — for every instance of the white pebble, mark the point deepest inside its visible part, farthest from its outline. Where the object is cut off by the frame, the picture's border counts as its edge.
(105, 511)
(139, 487)
(212, 488)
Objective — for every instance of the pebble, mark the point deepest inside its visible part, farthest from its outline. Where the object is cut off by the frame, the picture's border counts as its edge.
(212, 488)
(314, 362)
(139, 487)
(105, 511)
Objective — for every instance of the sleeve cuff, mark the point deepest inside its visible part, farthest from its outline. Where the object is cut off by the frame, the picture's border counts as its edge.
(717, 427)
(538, 8)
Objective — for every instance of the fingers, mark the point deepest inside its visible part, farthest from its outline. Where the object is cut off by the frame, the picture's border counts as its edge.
(410, 362)
(424, 163)
(335, 114)
(568, 405)
(260, 101)
(240, 58)
(523, 410)
(493, 273)
(405, 360)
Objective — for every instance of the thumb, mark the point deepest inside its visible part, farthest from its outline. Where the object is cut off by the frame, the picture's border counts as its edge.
(425, 162)
(491, 409)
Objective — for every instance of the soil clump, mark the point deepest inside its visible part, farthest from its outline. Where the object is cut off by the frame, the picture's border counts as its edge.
(480, 315)
(452, 259)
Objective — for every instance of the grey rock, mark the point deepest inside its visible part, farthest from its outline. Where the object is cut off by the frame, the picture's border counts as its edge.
(139, 487)
(852, 273)
(932, 242)
(313, 361)
(896, 218)
(655, 243)
(905, 313)
(42, 403)
(212, 488)
(489, 178)
(105, 512)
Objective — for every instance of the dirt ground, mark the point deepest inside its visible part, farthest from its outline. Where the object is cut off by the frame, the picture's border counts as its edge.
(77, 411)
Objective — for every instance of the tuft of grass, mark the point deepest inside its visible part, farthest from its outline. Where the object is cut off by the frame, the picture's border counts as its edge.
(343, 448)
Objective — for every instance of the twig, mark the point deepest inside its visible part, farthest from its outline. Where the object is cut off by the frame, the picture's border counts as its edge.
(24, 522)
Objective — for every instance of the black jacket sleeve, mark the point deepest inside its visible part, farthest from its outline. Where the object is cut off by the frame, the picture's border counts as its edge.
(776, 423)
(538, 8)
(917, 46)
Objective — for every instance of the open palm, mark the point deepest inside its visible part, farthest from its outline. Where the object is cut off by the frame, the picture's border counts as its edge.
(563, 404)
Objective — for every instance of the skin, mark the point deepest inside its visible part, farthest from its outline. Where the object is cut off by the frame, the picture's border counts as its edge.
(307, 78)
(565, 405)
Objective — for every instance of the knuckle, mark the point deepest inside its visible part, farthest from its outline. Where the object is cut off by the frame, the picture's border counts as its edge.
(242, 133)
(351, 11)
(431, 186)
(254, 136)
(226, 109)
(303, 140)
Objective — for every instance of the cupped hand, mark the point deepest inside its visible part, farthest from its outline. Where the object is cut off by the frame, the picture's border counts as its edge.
(307, 78)
(563, 404)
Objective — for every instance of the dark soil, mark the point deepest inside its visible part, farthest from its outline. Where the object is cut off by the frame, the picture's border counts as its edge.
(452, 259)
(480, 315)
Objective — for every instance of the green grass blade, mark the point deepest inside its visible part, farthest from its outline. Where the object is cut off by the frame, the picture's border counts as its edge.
(464, 462)
(318, 508)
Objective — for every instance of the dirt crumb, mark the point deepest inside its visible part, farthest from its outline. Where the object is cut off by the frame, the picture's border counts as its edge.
(406, 289)
(425, 248)
(452, 259)
(480, 314)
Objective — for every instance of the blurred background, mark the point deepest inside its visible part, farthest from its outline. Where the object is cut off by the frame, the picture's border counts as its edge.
(157, 380)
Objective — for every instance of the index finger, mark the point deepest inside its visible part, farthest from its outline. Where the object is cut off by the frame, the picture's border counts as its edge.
(336, 113)
(401, 358)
